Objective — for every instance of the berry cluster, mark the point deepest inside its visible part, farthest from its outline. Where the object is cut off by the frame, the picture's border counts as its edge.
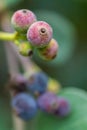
(35, 34)
(25, 105)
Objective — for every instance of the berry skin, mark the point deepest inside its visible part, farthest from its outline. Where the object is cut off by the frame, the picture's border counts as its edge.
(50, 51)
(37, 83)
(17, 83)
(48, 102)
(39, 34)
(22, 19)
(25, 49)
(24, 106)
(64, 107)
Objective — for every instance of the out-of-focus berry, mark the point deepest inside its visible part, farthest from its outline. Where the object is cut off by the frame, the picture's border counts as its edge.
(53, 86)
(37, 83)
(17, 83)
(50, 51)
(39, 34)
(22, 19)
(48, 102)
(24, 106)
(25, 49)
(64, 108)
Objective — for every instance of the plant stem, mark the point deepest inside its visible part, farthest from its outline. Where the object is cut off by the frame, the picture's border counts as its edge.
(8, 36)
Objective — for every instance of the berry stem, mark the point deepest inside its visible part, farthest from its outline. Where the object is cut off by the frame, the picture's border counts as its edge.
(8, 36)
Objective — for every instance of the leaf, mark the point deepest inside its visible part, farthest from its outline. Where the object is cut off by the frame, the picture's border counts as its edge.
(77, 120)
(63, 32)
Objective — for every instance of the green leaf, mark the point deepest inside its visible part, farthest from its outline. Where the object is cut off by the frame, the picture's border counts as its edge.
(63, 32)
(77, 120)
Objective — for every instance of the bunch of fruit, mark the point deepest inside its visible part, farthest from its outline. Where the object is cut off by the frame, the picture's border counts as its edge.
(31, 95)
(33, 34)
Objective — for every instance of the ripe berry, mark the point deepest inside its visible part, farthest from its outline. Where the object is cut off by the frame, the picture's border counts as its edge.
(64, 108)
(37, 83)
(24, 106)
(22, 19)
(50, 51)
(17, 83)
(48, 102)
(39, 34)
(25, 49)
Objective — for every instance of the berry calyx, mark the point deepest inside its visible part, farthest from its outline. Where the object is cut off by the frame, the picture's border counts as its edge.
(39, 34)
(22, 19)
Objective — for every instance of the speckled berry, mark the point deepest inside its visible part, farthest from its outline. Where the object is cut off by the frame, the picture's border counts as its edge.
(25, 49)
(50, 51)
(37, 83)
(24, 106)
(48, 102)
(64, 108)
(22, 19)
(39, 34)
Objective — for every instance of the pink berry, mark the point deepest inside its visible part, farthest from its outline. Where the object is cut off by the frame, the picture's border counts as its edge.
(22, 19)
(39, 34)
(50, 51)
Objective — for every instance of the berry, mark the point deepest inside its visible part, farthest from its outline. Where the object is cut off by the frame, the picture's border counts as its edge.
(53, 86)
(25, 49)
(37, 83)
(50, 51)
(39, 34)
(17, 83)
(48, 102)
(24, 106)
(22, 19)
(64, 108)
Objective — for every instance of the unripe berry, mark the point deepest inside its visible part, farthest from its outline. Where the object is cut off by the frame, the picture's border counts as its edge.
(48, 102)
(24, 106)
(53, 86)
(37, 83)
(50, 51)
(25, 49)
(64, 108)
(39, 34)
(22, 19)
(17, 83)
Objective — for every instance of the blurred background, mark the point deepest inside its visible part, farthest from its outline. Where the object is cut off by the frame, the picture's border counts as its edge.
(69, 21)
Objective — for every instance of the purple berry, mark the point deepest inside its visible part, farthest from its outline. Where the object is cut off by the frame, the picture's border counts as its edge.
(48, 102)
(24, 106)
(50, 51)
(37, 83)
(22, 19)
(64, 108)
(39, 34)
(17, 83)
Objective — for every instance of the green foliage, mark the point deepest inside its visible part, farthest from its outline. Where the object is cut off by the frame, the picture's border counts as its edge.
(7, 3)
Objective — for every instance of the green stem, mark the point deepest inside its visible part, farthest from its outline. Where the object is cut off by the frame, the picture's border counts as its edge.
(8, 36)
